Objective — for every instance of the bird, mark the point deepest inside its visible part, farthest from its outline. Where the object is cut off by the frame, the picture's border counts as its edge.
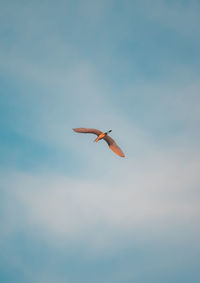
(101, 135)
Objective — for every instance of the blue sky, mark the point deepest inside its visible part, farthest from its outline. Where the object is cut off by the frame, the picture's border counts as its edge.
(71, 210)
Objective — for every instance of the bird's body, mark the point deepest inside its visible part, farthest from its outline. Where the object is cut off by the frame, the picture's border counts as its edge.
(101, 135)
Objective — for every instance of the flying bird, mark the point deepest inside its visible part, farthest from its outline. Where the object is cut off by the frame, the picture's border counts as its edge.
(100, 135)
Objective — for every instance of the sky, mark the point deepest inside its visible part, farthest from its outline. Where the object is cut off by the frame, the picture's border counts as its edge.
(71, 210)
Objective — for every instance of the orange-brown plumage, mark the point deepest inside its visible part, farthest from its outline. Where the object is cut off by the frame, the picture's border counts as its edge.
(100, 135)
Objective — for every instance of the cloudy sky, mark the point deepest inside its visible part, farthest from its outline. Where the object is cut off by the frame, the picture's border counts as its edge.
(71, 210)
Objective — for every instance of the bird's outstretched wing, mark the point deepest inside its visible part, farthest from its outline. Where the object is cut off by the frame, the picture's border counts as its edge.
(112, 144)
(87, 131)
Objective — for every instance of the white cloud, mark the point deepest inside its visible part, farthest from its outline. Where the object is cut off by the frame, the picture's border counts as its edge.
(153, 196)
(150, 187)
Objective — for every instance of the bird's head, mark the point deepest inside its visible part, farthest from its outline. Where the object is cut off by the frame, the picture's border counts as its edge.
(108, 132)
